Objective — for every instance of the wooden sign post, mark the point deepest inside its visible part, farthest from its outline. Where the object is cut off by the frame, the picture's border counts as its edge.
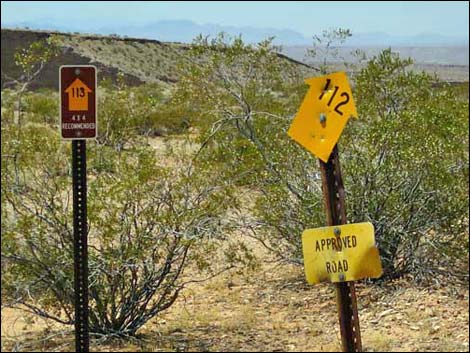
(328, 254)
(78, 123)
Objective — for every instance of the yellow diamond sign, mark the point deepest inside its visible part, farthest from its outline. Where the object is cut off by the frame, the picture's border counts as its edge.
(341, 253)
(323, 114)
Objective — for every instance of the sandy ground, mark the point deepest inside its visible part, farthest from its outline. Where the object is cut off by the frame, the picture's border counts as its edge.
(272, 309)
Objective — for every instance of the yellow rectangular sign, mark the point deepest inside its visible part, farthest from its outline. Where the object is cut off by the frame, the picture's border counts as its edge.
(341, 253)
(323, 114)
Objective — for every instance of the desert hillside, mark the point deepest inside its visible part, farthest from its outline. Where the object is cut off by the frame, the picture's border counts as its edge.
(140, 60)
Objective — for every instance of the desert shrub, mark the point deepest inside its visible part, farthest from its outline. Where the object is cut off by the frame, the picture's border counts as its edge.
(30, 62)
(168, 119)
(405, 165)
(461, 90)
(32, 59)
(43, 107)
(164, 117)
(126, 112)
(147, 224)
(8, 98)
(325, 47)
(236, 89)
(119, 114)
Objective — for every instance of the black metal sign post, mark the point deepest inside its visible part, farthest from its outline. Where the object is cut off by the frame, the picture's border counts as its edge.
(333, 192)
(77, 88)
(80, 244)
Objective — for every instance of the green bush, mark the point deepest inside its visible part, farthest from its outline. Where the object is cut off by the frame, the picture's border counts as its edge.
(165, 121)
(43, 107)
(147, 224)
(406, 166)
(126, 112)
(405, 163)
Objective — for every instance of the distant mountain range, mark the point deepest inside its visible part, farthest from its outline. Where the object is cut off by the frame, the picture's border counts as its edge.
(184, 31)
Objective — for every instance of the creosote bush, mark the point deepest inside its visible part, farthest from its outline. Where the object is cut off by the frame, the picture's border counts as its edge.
(405, 163)
(129, 112)
(406, 167)
(147, 225)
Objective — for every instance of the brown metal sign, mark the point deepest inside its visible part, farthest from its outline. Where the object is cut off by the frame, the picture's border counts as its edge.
(77, 87)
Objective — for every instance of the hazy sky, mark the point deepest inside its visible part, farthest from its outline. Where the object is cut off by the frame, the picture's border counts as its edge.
(397, 17)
